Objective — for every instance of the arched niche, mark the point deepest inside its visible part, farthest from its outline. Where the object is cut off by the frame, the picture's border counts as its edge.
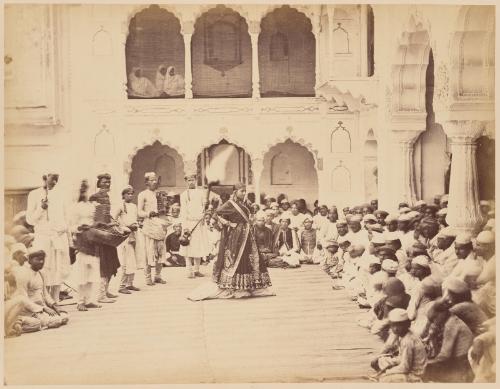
(340, 139)
(341, 179)
(340, 40)
(154, 45)
(221, 55)
(166, 170)
(281, 170)
(225, 163)
(165, 161)
(289, 167)
(102, 44)
(409, 70)
(287, 50)
(473, 54)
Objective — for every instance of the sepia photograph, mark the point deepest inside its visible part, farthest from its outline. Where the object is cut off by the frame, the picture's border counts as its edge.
(238, 193)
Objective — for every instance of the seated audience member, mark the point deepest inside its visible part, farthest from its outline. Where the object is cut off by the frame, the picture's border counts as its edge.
(482, 354)
(308, 241)
(274, 227)
(332, 264)
(395, 297)
(321, 218)
(374, 295)
(31, 285)
(449, 341)
(264, 240)
(407, 363)
(458, 298)
(392, 240)
(368, 268)
(390, 267)
(419, 269)
(351, 276)
(173, 245)
(468, 267)
(391, 223)
(444, 258)
(295, 216)
(287, 244)
(357, 235)
(426, 292)
(381, 217)
(441, 217)
(406, 234)
(485, 285)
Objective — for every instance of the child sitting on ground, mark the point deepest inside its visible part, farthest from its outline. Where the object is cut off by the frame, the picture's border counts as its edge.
(407, 363)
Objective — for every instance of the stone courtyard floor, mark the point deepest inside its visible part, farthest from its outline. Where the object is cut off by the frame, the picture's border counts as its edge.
(306, 333)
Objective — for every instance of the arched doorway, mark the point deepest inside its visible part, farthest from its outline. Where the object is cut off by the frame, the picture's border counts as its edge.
(221, 55)
(225, 163)
(433, 159)
(165, 162)
(286, 54)
(289, 168)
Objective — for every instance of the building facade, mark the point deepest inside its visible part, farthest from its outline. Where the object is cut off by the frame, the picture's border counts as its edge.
(336, 103)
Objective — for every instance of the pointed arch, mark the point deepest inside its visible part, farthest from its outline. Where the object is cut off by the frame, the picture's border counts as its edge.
(340, 139)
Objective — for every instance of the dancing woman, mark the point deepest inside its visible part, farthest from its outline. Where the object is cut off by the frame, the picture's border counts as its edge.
(240, 270)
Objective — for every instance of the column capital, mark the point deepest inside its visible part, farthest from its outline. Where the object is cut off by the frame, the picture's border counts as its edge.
(187, 28)
(407, 137)
(464, 130)
(254, 27)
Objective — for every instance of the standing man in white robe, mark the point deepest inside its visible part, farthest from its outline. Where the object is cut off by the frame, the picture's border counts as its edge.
(46, 213)
(193, 205)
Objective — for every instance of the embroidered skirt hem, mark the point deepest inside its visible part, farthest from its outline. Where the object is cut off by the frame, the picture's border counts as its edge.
(246, 281)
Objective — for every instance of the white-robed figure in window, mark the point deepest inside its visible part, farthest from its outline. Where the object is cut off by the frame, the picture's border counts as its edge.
(173, 84)
(47, 214)
(140, 86)
(161, 73)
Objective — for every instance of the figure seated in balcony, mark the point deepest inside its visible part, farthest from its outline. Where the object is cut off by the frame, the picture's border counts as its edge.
(140, 86)
(168, 83)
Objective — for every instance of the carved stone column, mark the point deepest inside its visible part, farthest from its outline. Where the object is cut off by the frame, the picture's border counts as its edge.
(464, 214)
(330, 11)
(405, 184)
(317, 70)
(254, 36)
(364, 41)
(187, 33)
(257, 168)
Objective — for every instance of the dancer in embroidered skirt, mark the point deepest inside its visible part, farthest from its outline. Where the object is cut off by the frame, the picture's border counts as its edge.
(240, 269)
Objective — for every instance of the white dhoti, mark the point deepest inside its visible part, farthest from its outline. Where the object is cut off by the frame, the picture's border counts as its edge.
(127, 255)
(87, 268)
(199, 246)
